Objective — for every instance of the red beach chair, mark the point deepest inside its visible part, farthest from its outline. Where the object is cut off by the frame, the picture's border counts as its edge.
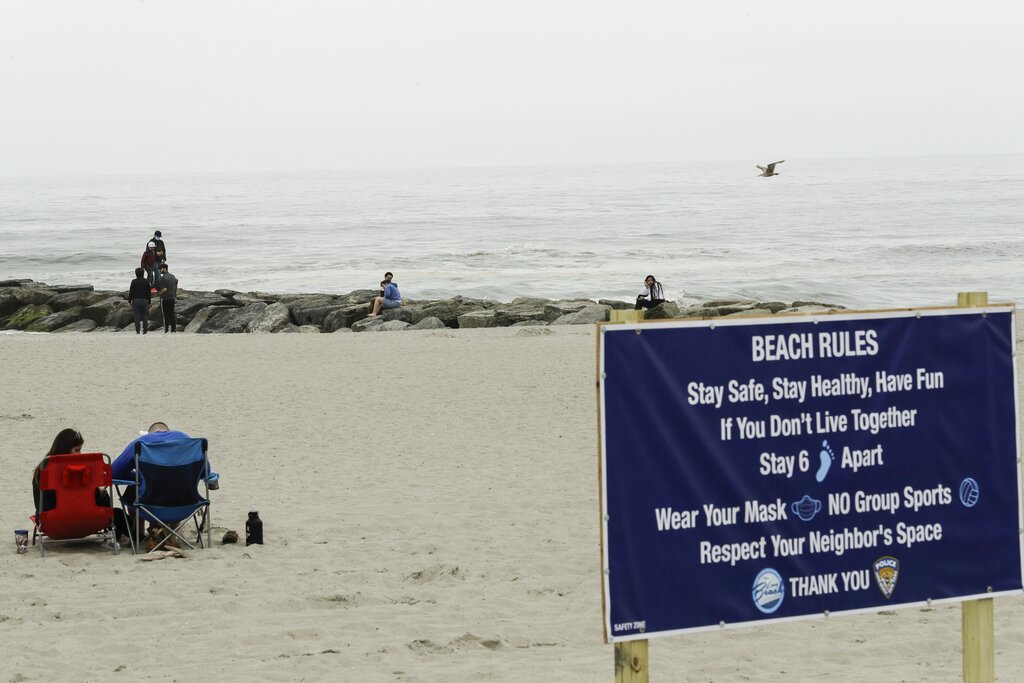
(74, 479)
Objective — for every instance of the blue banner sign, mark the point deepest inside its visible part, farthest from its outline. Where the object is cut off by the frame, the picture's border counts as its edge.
(779, 468)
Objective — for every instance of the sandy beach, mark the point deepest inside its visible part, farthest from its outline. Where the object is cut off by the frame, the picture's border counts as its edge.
(430, 502)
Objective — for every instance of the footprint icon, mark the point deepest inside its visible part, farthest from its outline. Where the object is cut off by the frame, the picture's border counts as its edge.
(827, 456)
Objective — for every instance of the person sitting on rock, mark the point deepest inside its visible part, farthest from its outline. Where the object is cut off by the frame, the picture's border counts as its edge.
(373, 301)
(651, 295)
(390, 299)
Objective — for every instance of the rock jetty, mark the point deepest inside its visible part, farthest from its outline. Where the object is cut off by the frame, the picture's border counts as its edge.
(37, 307)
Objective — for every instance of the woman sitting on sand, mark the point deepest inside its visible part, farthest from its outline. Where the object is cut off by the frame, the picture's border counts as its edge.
(651, 295)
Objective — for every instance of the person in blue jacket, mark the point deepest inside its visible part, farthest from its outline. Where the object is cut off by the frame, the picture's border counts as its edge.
(391, 298)
(123, 466)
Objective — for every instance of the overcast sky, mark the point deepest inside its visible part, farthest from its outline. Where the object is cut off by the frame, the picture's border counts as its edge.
(208, 85)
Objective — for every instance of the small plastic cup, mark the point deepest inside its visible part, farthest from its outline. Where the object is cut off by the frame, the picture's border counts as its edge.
(21, 540)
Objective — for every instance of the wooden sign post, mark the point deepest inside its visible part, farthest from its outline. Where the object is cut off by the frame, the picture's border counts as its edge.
(631, 662)
(631, 656)
(627, 315)
(977, 616)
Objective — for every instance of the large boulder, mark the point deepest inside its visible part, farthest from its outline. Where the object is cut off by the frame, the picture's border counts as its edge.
(99, 310)
(301, 329)
(119, 314)
(393, 326)
(312, 308)
(189, 303)
(506, 315)
(749, 312)
(84, 325)
(697, 311)
(200, 320)
(723, 308)
(818, 304)
(78, 298)
(403, 314)
(359, 296)
(615, 305)
(343, 318)
(63, 289)
(241, 299)
(449, 310)
(718, 303)
(477, 319)
(367, 324)
(13, 298)
(227, 320)
(274, 318)
(666, 309)
(55, 320)
(557, 309)
(26, 315)
(430, 323)
(589, 315)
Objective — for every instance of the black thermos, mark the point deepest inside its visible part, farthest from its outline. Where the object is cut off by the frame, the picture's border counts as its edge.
(254, 529)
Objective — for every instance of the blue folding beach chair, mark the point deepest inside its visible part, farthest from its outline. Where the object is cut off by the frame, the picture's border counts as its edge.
(168, 479)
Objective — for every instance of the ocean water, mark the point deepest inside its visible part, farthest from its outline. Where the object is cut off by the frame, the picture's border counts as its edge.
(861, 233)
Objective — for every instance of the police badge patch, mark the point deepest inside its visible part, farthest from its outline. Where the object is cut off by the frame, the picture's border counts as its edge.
(887, 570)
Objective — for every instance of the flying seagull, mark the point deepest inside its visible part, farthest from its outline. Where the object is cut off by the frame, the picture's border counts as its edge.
(769, 170)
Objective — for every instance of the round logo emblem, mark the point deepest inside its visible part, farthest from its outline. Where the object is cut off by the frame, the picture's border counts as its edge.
(768, 591)
(969, 492)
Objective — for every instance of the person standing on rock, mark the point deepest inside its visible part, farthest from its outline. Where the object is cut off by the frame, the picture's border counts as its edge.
(161, 251)
(158, 240)
(140, 295)
(651, 295)
(149, 263)
(168, 286)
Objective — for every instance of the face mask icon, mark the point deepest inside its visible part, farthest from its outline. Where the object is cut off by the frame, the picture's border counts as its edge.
(806, 508)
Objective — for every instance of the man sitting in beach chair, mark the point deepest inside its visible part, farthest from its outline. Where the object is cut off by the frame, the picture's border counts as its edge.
(164, 478)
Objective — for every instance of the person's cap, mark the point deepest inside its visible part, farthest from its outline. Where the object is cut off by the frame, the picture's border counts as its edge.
(157, 234)
(163, 266)
(151, 245)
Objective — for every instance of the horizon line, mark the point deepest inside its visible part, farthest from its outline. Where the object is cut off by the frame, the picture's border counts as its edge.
(553, 165)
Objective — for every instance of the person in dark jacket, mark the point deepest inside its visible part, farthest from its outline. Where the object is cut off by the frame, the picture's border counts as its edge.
(158, 240)
(140, 295)
(168, 286)
(161, 252)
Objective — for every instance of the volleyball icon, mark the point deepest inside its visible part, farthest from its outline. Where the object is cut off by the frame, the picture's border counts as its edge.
(969, 492)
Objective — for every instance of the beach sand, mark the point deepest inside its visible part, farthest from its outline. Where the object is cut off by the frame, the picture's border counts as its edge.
(430, 507)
